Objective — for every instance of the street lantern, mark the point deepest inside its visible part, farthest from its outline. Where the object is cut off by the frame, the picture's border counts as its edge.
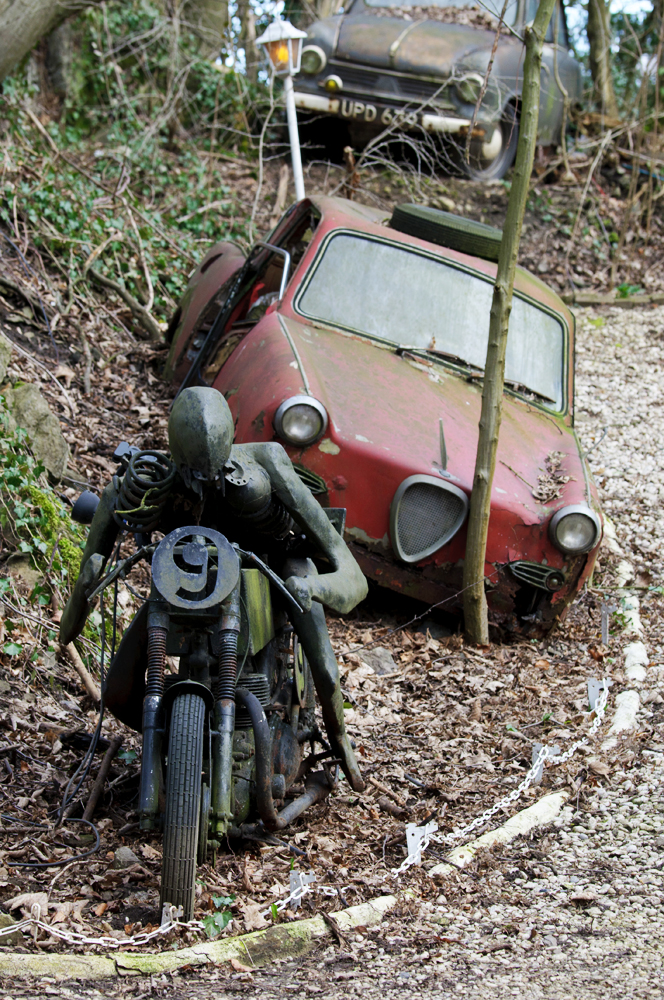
(282, 44)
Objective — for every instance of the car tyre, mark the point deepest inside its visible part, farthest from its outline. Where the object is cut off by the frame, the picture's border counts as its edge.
(481, 168)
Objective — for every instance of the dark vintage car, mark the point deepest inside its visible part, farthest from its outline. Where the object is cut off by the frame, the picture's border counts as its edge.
(421, 68)
(358, 342)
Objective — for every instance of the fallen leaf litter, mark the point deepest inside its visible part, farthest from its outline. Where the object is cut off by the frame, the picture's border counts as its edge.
(445, 728)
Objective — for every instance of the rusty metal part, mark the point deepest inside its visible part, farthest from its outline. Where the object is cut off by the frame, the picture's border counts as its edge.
(148, 801)
(144, 490)
(195, 545)
(263, 745)
(317, 787)
(224, 714)
(286, 750)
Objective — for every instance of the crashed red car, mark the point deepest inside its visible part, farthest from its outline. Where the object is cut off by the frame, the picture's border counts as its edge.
(358, 342)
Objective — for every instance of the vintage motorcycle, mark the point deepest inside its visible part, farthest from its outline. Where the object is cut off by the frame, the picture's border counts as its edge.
(229, 740)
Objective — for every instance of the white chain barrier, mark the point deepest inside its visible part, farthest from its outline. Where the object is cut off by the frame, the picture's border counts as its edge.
(34, 923)
(418, 839)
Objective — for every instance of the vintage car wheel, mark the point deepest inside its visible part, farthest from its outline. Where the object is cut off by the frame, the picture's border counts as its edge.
(485, 163)
(183, 802)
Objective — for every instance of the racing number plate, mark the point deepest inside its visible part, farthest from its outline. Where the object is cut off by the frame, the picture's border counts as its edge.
(379, 113)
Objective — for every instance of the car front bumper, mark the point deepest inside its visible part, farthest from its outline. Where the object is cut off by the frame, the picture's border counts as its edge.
(381, 114)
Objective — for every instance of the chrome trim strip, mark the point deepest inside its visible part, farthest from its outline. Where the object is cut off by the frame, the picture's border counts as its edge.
(296, 355)
(394, 47)
(287, 262)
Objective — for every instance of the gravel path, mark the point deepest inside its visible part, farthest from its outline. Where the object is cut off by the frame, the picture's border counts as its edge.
(576, 909)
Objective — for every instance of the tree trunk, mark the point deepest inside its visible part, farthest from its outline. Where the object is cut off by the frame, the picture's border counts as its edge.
(24, 22)
(248, 39)
(326, 8)
(208, 19)
(59, 51)
(599, 41)
(474, 597)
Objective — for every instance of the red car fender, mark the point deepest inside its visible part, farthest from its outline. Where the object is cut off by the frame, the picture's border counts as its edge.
(220, 263)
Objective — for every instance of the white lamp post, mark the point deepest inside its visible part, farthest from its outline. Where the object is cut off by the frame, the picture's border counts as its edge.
(282, 46)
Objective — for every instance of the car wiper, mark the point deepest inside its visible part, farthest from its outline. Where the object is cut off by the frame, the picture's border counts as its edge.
(521, 388)
(401, 349)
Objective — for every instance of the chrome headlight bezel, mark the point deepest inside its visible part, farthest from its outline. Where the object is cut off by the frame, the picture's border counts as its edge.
(287, 405)
(564, 512)
(464, 83)
(317, 52)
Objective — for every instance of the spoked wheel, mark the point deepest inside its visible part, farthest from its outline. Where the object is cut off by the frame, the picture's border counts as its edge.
(491, 160)
(183, 802)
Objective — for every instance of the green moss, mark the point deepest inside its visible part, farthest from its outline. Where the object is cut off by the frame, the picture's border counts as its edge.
(33, 519)
(57, 529)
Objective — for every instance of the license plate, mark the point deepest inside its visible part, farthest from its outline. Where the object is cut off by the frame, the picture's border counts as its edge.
(361, 111)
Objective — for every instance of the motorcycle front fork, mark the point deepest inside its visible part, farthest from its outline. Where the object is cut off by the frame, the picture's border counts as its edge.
(222, 721)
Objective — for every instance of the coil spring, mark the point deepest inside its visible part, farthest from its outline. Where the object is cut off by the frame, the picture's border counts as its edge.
(273, 519)
(156, 660)
(144, 490)
(227, 676)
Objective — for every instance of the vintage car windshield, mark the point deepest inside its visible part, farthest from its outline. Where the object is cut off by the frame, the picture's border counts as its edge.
(493, 7)
(413, 299)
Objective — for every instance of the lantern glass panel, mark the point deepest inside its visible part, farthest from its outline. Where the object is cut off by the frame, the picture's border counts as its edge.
(279, 55)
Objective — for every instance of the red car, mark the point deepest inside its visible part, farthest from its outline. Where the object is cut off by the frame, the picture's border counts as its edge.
(358, 342)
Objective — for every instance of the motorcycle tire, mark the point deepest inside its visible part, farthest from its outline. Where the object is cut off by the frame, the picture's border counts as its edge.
(183, 802)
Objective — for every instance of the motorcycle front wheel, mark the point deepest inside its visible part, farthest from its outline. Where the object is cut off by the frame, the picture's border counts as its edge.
(183, 802)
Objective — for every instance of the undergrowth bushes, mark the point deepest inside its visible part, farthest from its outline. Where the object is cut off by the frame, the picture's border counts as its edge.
(125, 179)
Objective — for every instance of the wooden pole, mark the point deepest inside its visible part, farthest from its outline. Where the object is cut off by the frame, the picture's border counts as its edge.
(89, 682)
(474, 597)
(102, 775)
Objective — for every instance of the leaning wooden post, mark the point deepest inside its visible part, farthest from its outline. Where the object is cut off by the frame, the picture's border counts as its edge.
(474, 597)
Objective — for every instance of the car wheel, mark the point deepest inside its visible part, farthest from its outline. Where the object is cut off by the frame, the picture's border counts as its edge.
(491, 161)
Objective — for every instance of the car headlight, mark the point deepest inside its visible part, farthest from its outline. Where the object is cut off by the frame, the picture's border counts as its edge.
(313, 60)
(468, 87)
(300, 420)
(575, 529)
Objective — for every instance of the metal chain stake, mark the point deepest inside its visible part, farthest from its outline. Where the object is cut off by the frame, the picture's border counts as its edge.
(418, 841)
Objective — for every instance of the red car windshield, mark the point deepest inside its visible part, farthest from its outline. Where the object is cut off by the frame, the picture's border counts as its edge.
(416, 300)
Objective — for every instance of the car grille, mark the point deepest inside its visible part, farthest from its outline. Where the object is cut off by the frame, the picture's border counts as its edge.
(425, 515)
(373, 83)
(311, 480)
(537, 575)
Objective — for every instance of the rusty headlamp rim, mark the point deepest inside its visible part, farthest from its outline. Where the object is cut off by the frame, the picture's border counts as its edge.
(557, 526)
(304, 437)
